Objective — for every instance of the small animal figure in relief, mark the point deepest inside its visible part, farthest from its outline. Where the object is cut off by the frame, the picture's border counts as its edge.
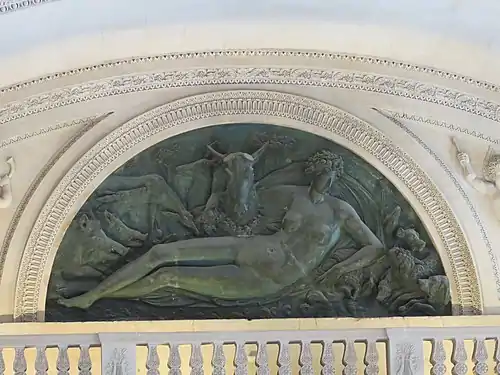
(6, 185)
(489, 184)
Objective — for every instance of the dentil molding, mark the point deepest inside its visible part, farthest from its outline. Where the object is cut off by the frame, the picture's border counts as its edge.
(144, 130)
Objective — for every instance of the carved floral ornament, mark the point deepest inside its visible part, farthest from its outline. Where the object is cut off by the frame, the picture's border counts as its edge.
(140, 132)
(320, 77)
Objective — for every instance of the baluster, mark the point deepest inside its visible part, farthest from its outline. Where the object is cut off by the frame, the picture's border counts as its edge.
(305, 359)
(261, 360)
(196, 360)
(350, 359)
(497, 356)
(174, 360)
(371, 358)
(240, 360)
(62, 364)
(41, 364)
(438, 357)
(218, 360)
(284, 360)
(153, 361)
(84, 363)
(480, 357)
(459, 358)
(19, 362)
(327, 359)
(2, 363)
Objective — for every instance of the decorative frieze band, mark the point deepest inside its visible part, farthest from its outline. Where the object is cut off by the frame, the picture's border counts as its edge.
(269, 52)
(99, 160)
(344, 79)
(14, 5)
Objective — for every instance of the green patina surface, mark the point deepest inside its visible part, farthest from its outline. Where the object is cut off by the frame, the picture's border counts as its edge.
(246, 221)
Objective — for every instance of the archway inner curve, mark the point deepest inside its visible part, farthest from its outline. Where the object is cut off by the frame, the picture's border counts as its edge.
(250, 103)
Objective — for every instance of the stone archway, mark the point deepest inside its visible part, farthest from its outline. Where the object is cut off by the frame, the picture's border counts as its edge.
(230, 106)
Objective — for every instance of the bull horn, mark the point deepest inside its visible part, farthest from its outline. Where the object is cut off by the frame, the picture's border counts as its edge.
(257, 154)
(215, 153)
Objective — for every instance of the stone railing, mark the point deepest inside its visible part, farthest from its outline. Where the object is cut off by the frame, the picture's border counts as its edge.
(406, 346)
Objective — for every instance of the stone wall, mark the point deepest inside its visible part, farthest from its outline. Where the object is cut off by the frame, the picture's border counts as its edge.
(83, 87)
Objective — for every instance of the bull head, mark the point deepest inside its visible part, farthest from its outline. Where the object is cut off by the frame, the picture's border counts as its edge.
(253, 158)
(240, 186)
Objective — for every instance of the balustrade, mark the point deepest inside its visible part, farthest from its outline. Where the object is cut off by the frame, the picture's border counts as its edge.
(402, 346)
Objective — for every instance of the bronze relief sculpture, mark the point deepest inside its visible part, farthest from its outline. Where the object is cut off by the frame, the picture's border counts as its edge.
(291, 226)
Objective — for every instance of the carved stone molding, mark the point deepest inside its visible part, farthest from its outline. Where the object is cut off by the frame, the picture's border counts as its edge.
(441, 124)
(395, 118)
(313, 55)
(144, 130)
(14, 5)
(63, 125)
(344, 79)
(86, 124)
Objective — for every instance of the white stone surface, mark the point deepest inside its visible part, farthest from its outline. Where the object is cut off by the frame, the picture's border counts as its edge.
(459, 37)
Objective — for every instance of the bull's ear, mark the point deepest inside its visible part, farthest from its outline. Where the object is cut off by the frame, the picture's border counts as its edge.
(218, 155)
(257, 154)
